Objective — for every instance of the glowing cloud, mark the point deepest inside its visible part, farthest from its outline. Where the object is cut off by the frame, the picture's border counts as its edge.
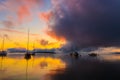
(53, 35)
(23, 13)
(46, 16)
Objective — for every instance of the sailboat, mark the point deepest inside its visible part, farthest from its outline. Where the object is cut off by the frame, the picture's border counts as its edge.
(27, 54)
(3, 52)
(93, 54)
(75, 54)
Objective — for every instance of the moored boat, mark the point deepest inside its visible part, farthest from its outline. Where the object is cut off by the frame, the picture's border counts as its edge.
(74, 54)
(93, 54)
(27, 54)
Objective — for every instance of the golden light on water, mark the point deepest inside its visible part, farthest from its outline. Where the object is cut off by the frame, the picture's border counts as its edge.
(37, 68)
(110, 57)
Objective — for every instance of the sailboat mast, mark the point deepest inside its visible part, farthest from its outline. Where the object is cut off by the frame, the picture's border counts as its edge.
(28, 55)
(3, 43)
(28, 40)
(33, 45)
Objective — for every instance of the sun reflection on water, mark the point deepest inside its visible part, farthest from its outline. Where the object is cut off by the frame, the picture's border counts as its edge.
(33, 69)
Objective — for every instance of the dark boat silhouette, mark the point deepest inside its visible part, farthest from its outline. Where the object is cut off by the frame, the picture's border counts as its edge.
(3, 52)
(74, 54)
(27, 56)
(93, 54)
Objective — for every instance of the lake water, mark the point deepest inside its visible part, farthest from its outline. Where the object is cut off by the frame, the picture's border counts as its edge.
(60, 67)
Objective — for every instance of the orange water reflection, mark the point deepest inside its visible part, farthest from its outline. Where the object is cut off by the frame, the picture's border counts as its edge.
(111, 57)
(33, 69)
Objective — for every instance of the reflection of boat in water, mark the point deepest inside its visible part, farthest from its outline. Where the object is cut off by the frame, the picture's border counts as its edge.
(26, 69)
(2, 52)
(2, 58)
(28, 54)
(93, 54)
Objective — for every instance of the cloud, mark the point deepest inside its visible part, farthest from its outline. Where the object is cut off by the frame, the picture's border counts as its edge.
(87, 23)
(7, 37)
(33, 34)
(17, 32)
(46, 16)
(53, 35)
(44, 42)
(24, 13)
(23, 10)
(8, 24)
(106, 50)
(11, 30)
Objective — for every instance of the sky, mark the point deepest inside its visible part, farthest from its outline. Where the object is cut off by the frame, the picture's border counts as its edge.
(60, 23)
(17, 16)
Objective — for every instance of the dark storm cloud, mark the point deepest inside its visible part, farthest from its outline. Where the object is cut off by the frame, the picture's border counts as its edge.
(86, 23)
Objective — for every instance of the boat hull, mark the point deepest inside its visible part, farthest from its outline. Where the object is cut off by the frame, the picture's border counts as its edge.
(3, 53)
(27, 56)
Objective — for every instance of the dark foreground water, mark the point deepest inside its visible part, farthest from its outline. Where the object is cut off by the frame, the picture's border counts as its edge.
(60, 67)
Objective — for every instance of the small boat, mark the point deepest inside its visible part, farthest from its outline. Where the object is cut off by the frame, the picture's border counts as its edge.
(27, 56)
(3, 53)
(93, 54)
(74, 54)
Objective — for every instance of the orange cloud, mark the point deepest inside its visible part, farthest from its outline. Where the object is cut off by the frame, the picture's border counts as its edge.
(44, 42)
(53, 35)
(107, 50)
(33, 3)
(46, 16)
(24, 13)
(23, 9)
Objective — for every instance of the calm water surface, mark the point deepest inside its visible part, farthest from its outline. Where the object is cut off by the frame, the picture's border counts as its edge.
(60, 67)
